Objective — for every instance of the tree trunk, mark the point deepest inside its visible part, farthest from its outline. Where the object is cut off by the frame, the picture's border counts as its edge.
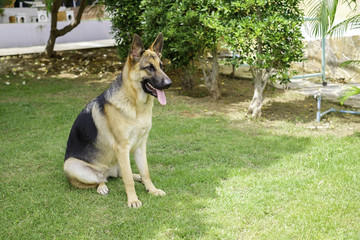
(260, 81)
(49, 50)
(54, 32)
(214, 89)
(211, 75)
(261, 78)
(186, 75)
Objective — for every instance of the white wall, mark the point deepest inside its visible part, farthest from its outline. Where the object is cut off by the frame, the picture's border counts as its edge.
(36, 34)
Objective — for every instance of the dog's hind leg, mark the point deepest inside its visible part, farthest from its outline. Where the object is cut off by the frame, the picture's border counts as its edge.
(137, 177)
(82, 175)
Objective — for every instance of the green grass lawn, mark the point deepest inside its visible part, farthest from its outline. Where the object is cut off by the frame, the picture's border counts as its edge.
(223, 179)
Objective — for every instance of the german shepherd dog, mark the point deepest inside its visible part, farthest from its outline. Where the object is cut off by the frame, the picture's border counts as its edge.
(117, 123)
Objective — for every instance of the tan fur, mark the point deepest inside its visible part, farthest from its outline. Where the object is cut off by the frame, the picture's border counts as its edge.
(123, 128)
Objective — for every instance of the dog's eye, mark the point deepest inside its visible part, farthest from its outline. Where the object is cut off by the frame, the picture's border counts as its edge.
(161, 66)
(150, 68)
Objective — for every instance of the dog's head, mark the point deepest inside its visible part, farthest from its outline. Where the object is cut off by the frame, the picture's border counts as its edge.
(149, 67)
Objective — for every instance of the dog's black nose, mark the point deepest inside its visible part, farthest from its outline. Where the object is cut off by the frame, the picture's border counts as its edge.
(167, 83)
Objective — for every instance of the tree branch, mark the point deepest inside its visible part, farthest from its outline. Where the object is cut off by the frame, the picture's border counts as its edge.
(54, 18)
(76, 21)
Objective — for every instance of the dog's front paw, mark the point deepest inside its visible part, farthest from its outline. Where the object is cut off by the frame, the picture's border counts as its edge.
(102, 189)
(157, 192)
(134, 204)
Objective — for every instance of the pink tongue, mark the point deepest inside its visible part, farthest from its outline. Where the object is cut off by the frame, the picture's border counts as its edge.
(161, 96)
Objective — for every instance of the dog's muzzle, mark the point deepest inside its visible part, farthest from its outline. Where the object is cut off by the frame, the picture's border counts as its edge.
(156, 88)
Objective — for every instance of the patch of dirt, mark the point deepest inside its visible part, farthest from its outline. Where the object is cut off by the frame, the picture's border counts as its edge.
(102, 65)
(67, 64)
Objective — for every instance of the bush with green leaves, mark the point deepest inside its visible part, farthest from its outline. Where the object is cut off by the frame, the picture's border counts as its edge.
(126, 20)
(267, 36)
(186, 27)
(4, 3)
(188, 34)
(177, 20)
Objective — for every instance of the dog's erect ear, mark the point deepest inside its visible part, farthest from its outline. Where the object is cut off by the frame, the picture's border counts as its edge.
(158, 44)
(136, 49)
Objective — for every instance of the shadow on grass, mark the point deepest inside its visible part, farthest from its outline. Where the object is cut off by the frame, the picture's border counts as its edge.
(301, 110)
(294, 111)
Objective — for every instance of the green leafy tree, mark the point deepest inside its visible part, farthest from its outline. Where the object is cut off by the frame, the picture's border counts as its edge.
(210, 35)
(267, 36)
(178, 21)
(191, 30)
(4, 3)
(126, 20)
(188, 27)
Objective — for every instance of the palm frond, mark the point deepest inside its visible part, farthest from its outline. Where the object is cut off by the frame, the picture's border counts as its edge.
(97, 9)
(351, 63)
(322, 14)
(331, 7)
(318, 22)
(351, 91)
(348, 24)
(351, 4)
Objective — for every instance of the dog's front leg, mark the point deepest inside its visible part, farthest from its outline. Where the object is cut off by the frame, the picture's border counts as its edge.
(122, 154)
(141, 163)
